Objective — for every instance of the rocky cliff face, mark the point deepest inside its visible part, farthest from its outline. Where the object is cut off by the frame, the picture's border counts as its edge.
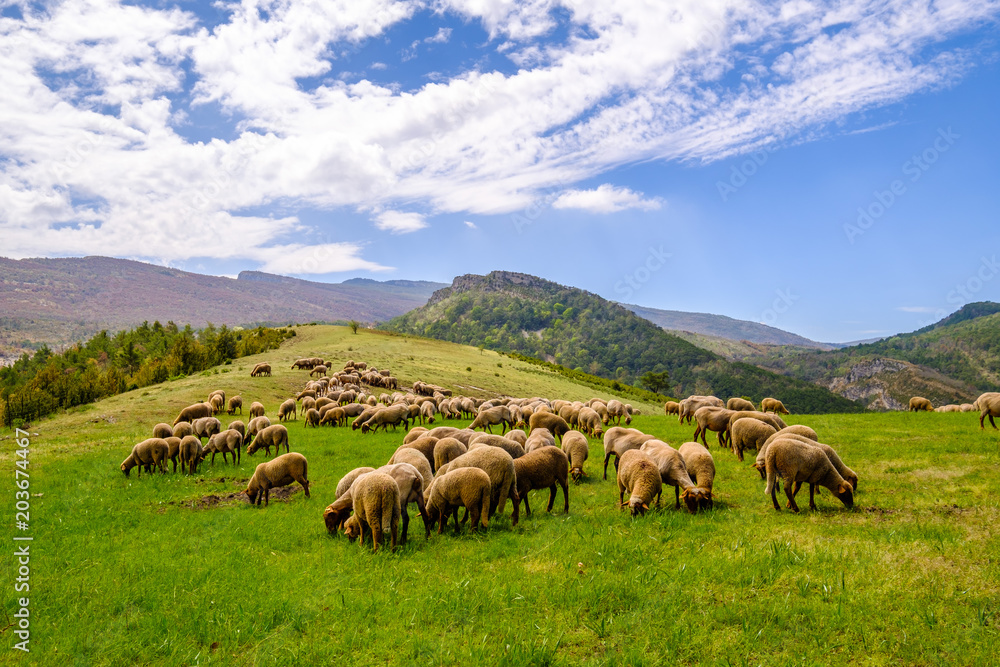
(500, 282)
(887, 384)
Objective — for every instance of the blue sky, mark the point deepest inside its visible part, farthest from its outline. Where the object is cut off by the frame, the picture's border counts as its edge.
(826, 168)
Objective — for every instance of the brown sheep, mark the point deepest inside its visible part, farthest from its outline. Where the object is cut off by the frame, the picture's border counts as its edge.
(285, 409)
(671, 408)
(795, 462)
(849, 475)
(556, 424)
(701, 469)
(515, 449)
(311, 418)
(638, 476)
(688, 406)
(227, 441)
(673, 472)
(772, 405)
(794, 429)
(749, 433)
(776, 422)
(500, 467)
(577, 450)
(183, 429)
(279, 471)
(541, 437)
(191, 453)
(542, 469)
(589, 421)
(206, 427)
(237, 425)
(737, 403)
(712, 419)
(376, 509)
(425, 446)
(466, 487)
(619, 440)
(257, 424)
(415, 459)
(256, 409)
(333, 415)
(163, 431)
(235, 403)
(192, 412)
(173, 450)
(275, 436)
(498, 416)
(446, 450)
(989, 406)
(318, 370)
(261, 369)
(518, 436)
(149, 452)
(411, 490)
(918, 403)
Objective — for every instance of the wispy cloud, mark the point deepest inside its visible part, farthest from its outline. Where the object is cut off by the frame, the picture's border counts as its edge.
(470, 224)
(399, 222)
(605, 199)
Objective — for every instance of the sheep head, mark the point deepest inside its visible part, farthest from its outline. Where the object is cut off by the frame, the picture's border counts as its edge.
(577, 474)
(637, 507)
(697, 498)
(845, 493)
(352, 528)
(251, 493)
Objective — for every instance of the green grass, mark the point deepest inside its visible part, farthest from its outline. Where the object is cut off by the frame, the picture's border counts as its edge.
(156, 571)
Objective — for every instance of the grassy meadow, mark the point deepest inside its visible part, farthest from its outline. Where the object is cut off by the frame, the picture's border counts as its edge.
(180, 570)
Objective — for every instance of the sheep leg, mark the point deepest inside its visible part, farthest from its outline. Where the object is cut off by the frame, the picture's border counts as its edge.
(527, 508)
(552, 497)
(677, 497)
(812, 500)
(565, 488)
(393, 530)
(774, 497)
(376, 535)
(790, 492)
(267, 496)
(606, 459)
(458, 526)
(405, 516)
(993, 423)
(175, 465)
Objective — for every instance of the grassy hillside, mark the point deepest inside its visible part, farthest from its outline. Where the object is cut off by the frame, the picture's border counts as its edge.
(173, 569)
(519, 313)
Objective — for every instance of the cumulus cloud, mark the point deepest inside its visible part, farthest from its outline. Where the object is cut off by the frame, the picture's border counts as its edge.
(400, 222)
(605, 199)
(316, 259)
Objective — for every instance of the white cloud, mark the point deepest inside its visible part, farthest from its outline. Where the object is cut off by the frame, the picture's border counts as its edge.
(317, 259)
(605, 199)
(440, 37)
(400, 222)
(471, 225)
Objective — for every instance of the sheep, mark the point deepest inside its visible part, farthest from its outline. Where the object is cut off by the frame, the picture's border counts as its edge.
(393, 415)
(286, 408)
(376, 509)
(217, 404)
(617, 410)
(311, 418)
(420, 431)
(192, 412)
(466, 487)
(257, 424)
(772, 405)
(749, 433)
(308, 403)
(540, 437)
(427, 412)
(577, 449)
(776, 422)
(671, 408)
(543, 468)
(499, 465)
(235, 403)
(237, 425)
(948, 408)
(849, 475)
(423, 445)
(737, 403)
(518, 436)
(334, 415)
(318, 370)
(261, 369)
(366, 413)
(589, 421)
(688, 406)
(411, 490)
(415, 459)
(673, 472)
(302, 363)
(275, 435)
(640, 477)
(173, 450)
(227, 441)
(701, 469)
(556, 424)
(918, 403)
(447, 449)
(711, 418)
(795, 462)
(149, 452)
(183, 429)
(619, 440)
(795, 429)
(967, 407)
(206, 427)
(344, 485)
(486, 440)
(279, 471)
(256, 409)
(498, 416)
(989, 406)
(191, 454)
(162, 430)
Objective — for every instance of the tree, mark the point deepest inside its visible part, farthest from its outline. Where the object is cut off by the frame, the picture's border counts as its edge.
(655, 381)
(354, 324)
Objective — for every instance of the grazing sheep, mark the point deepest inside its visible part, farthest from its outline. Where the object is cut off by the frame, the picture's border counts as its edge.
(795, 429)
(711, 418)
(425, 446)
(967, 407)
(498, 416)
(256, 409)
(318, 370)
(795, 462)
(577, 450)
(499, 465)
(590, 422)
(279, 471)
(162, 430)
(918, 403)
(446, 450)
(466, 487)
(226, 442)
(849, 475)
(689, 405)
(311, 418)
(701, 468)
(149, 452)
(183, 429)
(218, 404)
(302, 363)
(989, 406)
(427, 412)
(333, 415)
(285, 409)
(173, 450)
(384, 417)
(191, 454)
(235, 403)
(772, 405)
(671, 408)
(257, 424)
(776, 422)
(376, 509)
(542, 469)
(673, 472)
(619, 440)
(192, 412)
(556, 424)
(487, 440)
(237, 425)
(275, 436)
(737, 403)
(415, 459)
(617, 410)
(261, 369)
(948, 408)
(639, 476)
(749, 433)
(308, 403)
(419, 431)
(541, 437)
(206, 427)
(518, 436)
(411, 490)
(344, 485)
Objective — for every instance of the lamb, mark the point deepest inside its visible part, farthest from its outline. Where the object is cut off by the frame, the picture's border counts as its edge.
(275, 435)
(192, 412)
(989, 406)
(671, 408)
(711, 418)
(795, 429)
(423, 445)
(772, 405)
(227, 441)
(466, 487)
(701, 468)
(183, 429)
(556, 424)
(256, 409)
(498, 464)
(577, 449)
(796, 462)
(206, 427)
(447, 449)
(737, 403)
(619, 440)
(311, 418)
(279, 471)
(191, 454)
(673, 472)
(542, 468)
(235, 403)
(515, 449)
(376, 508)
(261, 369)
(287, 408)
(749, 433)
(640, 477)
(498, 416)
(149, 452)
(541, 437)
(918, 403)
(162, 430)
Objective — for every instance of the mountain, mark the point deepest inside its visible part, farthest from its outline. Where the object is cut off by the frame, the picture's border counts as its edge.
(59, 301)
(515, 312)
(720, 326)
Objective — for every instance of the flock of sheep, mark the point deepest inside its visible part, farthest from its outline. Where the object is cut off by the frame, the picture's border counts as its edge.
(443, 469)
(987, 405)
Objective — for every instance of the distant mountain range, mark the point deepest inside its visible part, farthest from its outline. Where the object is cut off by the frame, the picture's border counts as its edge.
(59, 301)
